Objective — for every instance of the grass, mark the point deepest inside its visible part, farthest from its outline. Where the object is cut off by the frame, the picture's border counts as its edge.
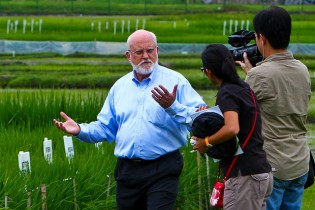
(90, 71)
(26, 119)
(170, 28)
(26, 114)
(308, 201)
(135, 7)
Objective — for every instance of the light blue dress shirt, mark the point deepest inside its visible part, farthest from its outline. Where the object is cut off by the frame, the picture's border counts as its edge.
(141, 127)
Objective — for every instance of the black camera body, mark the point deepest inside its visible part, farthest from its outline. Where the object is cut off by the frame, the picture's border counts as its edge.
(240, 40)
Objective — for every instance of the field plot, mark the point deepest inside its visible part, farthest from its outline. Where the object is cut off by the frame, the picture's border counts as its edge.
(36, 87)
(90, 71)
(84, 181)
(180, 28)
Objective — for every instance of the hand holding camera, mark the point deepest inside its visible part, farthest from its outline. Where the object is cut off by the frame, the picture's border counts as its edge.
(240, 40)
(245, 65)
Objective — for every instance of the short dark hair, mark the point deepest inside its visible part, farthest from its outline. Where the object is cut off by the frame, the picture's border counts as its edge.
(275, 24)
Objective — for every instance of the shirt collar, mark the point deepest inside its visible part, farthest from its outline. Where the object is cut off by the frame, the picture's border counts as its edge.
(287, 55)
(150, 78)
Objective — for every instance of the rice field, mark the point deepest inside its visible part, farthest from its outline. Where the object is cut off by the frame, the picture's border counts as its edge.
(84, 181)
(170, 28)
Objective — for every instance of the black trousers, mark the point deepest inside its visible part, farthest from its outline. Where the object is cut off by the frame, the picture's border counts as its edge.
(148, 185)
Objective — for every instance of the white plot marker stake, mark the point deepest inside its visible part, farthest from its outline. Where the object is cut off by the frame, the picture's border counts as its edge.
(68, 147)
(47, 147)
(24, 162)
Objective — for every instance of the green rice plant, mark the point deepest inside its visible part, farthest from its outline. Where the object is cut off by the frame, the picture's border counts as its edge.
(91, 71)
(70, 81)
(203, 27)
(29, 108)
(26, 119)
(122, 7)
(90, 173)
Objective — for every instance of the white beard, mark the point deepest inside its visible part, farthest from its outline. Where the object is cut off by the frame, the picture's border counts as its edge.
(140, 70)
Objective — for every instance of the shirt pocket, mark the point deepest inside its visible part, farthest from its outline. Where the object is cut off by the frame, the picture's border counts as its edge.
(157, 115)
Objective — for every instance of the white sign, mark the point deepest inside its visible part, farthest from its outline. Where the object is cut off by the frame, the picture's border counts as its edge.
(47, 147)
(68, 146)
(24, 161)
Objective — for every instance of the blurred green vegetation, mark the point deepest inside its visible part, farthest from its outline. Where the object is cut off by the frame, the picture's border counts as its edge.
(87, 180)
(135, 7)
(170, 28)
(36, 87)
(90, 71)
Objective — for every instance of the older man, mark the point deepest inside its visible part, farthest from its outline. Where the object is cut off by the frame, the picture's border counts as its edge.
(147, 113)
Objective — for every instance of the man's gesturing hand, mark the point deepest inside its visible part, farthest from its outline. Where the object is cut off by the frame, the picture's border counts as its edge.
(69, 126)
(161, 95)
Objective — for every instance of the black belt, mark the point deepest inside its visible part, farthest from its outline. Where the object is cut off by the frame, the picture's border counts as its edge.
(138, 161)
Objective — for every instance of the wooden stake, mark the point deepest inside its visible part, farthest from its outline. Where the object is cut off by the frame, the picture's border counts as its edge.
(44, 196)
(108, 185)
(208, 181)
(75, 194)
(28, 199)
(6, 199)
(199, 181)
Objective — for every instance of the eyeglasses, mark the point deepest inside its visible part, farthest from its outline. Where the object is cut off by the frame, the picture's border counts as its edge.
(149, 51)
(202, 69)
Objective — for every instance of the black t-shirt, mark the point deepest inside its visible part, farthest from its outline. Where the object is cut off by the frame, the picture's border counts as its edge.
(238, 98)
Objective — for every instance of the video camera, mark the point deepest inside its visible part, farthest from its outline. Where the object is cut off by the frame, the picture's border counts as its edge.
(240, 39)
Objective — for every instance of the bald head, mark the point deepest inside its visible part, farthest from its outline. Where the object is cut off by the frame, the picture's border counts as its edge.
(141, 36)
(142, 52)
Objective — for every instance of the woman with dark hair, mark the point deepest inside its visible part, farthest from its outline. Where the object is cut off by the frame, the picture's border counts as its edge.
(249, 182)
